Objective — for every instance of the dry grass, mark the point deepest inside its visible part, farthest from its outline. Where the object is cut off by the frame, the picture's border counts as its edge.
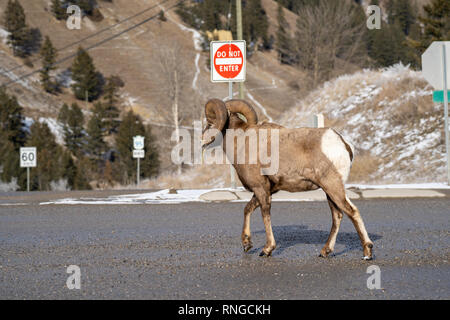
(196, 177)
(363, 167)
(389, 117)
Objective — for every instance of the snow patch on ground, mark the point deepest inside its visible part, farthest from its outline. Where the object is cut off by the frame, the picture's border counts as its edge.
(159, 197)
(197, 71)
(387, 114)
(54, 125)
(4, 35)
(194, 195)
(11, 186)
(419, 186)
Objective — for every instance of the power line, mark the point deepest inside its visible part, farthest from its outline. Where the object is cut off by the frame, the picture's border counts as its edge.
(92, 35)
(94, 45)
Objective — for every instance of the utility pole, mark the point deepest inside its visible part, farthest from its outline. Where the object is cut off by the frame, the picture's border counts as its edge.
(447, 134)
(232, 171)
(239, 37)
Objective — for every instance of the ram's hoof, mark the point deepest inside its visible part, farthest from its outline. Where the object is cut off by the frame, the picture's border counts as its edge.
(367, 258)
(264, 254)
(247, 247)
(325, 252)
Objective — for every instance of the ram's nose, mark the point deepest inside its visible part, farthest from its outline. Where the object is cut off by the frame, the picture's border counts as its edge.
(205, 143)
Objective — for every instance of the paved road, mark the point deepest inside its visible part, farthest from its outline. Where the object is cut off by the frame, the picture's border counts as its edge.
(193, 251)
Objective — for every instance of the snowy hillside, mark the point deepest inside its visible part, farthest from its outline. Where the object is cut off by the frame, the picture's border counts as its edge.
(387, 114)
(390, 118)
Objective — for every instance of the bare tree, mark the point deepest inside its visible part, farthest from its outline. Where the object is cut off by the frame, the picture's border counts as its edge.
(171, 60)
(329, 35)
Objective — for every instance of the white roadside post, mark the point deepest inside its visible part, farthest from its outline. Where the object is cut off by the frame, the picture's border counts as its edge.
(138, 153)
(28, 160)
(228, 64)
(435, 69)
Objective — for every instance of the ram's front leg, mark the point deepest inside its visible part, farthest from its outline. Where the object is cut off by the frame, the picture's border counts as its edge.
(265, 200)
(246, 233)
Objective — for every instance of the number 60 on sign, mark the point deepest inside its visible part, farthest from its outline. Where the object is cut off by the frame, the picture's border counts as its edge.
(28, 157)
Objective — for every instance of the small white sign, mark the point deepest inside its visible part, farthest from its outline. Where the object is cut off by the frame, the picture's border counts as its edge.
(138, 142)
(28, 157)
(432, 68)
(139, 154)
(228, 61)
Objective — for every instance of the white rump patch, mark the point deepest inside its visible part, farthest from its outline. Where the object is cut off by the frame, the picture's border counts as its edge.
(335, 150)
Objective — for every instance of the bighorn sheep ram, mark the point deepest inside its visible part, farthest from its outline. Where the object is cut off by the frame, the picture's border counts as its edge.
(309, 159)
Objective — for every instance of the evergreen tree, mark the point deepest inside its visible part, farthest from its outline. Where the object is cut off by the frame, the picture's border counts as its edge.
(283, 40)
(161, 16)
(110, 104)
(386, 45)
(296, 5)
(132, 126)
(87, 6)
(12, 137)
(85, 76)
(436, 27)
(9, 162)
(15, 23)
(151, 164)
(256, 24)
(11, 119)
(48, 154)
(402, 12)
(96, 146)
(57, 9)
(189, 14)
(63, 114)
(73, 129)
(48, 57)
(82, 177)
(69, 169)
(211, 12)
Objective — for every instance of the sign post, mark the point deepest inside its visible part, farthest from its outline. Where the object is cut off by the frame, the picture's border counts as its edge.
(435, 68)
(28, 160)
(228, 64)
(138, 153)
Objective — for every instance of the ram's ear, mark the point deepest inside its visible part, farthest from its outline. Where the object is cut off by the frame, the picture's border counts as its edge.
(241, 116)
(244, 108)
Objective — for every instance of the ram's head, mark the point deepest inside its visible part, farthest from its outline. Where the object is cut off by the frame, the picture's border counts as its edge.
(221, 116)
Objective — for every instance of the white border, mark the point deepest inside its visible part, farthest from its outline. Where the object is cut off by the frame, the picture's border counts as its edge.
(244, 65)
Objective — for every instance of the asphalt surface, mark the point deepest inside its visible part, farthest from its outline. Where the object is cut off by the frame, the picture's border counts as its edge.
(193, 251)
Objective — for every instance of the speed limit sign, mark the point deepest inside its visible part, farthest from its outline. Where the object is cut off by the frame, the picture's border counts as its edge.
(28, 157)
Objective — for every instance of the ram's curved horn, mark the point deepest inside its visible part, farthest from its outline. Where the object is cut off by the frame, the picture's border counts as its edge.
(243, 107)
(216, 113)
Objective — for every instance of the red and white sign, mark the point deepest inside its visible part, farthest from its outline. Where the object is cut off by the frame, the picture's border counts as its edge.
(228, 61)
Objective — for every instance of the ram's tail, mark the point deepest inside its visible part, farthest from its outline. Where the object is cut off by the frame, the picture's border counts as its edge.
(348, 146)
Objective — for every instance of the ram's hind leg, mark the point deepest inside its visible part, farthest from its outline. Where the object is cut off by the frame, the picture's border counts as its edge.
(335, 189)
(336, 215)
(246, 233)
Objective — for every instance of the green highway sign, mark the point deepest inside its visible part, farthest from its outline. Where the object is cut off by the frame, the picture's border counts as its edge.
(436, 70)
(438, 96)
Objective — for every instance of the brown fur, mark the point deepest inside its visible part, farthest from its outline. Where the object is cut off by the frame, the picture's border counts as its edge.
(302, 166)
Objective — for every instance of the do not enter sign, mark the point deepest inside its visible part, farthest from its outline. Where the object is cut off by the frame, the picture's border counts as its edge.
(228, 61)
